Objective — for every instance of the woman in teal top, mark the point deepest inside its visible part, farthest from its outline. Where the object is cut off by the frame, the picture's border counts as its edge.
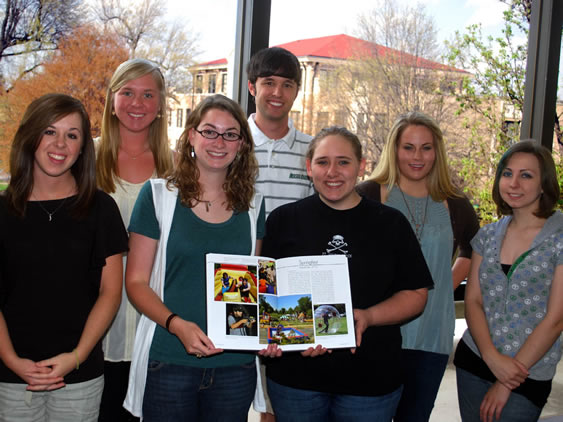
(188, 378)
(413, 177)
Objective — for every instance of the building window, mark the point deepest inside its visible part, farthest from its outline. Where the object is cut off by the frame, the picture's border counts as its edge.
(322, 120)
(212, 83)
(296, 118)
(179, 116)
(362, 124)
(198, 84)
(224, 82)
(341, 118)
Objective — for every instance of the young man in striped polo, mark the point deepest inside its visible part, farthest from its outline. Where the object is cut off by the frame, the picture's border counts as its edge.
(274, 76)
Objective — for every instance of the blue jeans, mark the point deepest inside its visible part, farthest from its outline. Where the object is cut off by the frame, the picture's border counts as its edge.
(292, 405)
(423, 374)
(182, 393)
(471, 390)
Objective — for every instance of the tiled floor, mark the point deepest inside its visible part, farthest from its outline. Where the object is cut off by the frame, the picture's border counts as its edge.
(446, 408)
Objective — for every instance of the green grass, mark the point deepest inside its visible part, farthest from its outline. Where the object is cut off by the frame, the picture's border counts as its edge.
(3, 186)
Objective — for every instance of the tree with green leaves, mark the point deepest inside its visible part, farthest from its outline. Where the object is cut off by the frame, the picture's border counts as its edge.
(305, 305)
(491, 100)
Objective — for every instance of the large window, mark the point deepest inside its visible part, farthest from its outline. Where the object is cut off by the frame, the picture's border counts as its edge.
(179, 117)
(212, 83)
(198, 84)
(322, 120)
(296, 117)
(224, 82)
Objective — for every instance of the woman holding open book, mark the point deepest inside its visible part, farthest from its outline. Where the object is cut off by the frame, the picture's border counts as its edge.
(206, 205)
(389, 281)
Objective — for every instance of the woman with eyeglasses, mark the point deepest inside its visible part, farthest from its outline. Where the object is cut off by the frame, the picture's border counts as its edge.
(207, 204)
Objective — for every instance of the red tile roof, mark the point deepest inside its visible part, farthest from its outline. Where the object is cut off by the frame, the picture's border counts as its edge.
(346, 47)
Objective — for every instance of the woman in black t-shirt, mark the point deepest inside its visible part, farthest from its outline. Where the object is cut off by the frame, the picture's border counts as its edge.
(383, 256)
(61, 242)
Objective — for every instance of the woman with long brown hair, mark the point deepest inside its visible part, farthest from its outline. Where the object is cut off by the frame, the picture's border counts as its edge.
(507, 358)
(61, 242)
(206, 205)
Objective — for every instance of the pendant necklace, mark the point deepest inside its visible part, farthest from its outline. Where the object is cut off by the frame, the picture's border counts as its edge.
(134, 157)
(418, 227)
(208, 203)
(50, 214)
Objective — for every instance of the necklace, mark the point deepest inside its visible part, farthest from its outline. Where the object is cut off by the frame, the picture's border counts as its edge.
(208, 203)
(418, 227)
(134, 157)
(50, 214)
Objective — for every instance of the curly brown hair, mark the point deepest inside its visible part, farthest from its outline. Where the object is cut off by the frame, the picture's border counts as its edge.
(242, 172)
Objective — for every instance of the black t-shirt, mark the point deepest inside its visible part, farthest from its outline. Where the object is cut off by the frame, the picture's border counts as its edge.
(50, 274)
(384, 257)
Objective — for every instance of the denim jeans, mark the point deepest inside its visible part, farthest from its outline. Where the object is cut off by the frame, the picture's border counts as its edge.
(77, 402)
(471, 390)
(423, 374)
(183, 393)
(295, 405)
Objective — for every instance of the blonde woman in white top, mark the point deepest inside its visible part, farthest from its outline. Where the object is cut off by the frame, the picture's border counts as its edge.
(133, 148)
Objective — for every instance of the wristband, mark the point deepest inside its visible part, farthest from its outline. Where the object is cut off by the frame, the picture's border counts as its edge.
(168, 320)
(77, 360)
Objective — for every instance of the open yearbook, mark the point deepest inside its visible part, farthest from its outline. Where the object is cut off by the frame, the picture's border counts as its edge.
(296, 302)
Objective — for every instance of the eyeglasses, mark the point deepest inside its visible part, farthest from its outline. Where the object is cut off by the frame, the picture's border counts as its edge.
(213, 134)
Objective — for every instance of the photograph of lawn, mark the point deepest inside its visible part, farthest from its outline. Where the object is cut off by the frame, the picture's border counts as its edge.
(286, 320)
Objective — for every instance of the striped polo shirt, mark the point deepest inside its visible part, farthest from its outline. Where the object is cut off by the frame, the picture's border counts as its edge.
(282, 175)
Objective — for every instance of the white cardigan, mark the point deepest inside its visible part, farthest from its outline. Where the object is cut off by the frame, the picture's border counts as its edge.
(164, 204)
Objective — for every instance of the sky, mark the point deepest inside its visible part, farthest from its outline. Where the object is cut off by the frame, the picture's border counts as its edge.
(215, 20)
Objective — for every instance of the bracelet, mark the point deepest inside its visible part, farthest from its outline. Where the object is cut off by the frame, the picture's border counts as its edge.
(77, 360)
(168, 320)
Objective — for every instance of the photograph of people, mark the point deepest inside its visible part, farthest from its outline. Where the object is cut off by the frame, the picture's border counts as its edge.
(133, 147)
(207, 204)
(267, 277)
(507, 357)
(226, 282)
(61, 242)
(241, 320)
(381, 247)
(413, 177)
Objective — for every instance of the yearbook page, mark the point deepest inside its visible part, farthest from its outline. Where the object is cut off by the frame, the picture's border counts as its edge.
(296, 302)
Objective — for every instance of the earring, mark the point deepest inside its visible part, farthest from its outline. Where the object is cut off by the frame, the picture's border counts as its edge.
(192, 153)
(158, 116)
(113, 112)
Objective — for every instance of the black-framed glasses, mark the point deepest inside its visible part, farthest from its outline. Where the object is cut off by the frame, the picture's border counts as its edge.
(213, 134)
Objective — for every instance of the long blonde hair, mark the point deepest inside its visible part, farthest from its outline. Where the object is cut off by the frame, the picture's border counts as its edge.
(110, 140)
(387, 173)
